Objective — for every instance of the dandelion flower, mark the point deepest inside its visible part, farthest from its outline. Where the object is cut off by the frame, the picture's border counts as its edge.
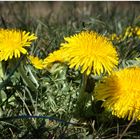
(36, 62)
(121, 93)
(128, 33)
(115, 37)
(13, 43)
(91, 52)
(56, 56)
(137, 31)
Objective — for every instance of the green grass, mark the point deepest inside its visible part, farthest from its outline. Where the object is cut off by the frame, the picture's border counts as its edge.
(58, 89)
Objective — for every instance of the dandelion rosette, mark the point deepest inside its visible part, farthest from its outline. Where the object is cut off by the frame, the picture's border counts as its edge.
(91, 52)
(13, 43)
(120, 93)
(36, 62)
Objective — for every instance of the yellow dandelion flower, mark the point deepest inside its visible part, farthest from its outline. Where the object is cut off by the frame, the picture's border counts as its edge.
(137, 31)
(128, 32)
(114, 37)
(91, 52)
(121, 93)
(56, 56)
(36, 62)
(132, 31)
(13, 43)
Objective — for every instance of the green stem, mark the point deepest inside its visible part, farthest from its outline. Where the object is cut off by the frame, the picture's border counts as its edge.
(25, 78)
(83, 95)
(1, 70)
(83, 86)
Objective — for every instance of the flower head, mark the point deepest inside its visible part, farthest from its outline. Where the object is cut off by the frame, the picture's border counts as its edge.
(115, 37)
(137, 31)
(91, 52)
(37, 63)
(129, 32)
(121, 93)
(13, 43)
(56, 56)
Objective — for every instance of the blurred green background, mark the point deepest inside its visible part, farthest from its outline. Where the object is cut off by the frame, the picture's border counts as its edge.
(61, 11)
